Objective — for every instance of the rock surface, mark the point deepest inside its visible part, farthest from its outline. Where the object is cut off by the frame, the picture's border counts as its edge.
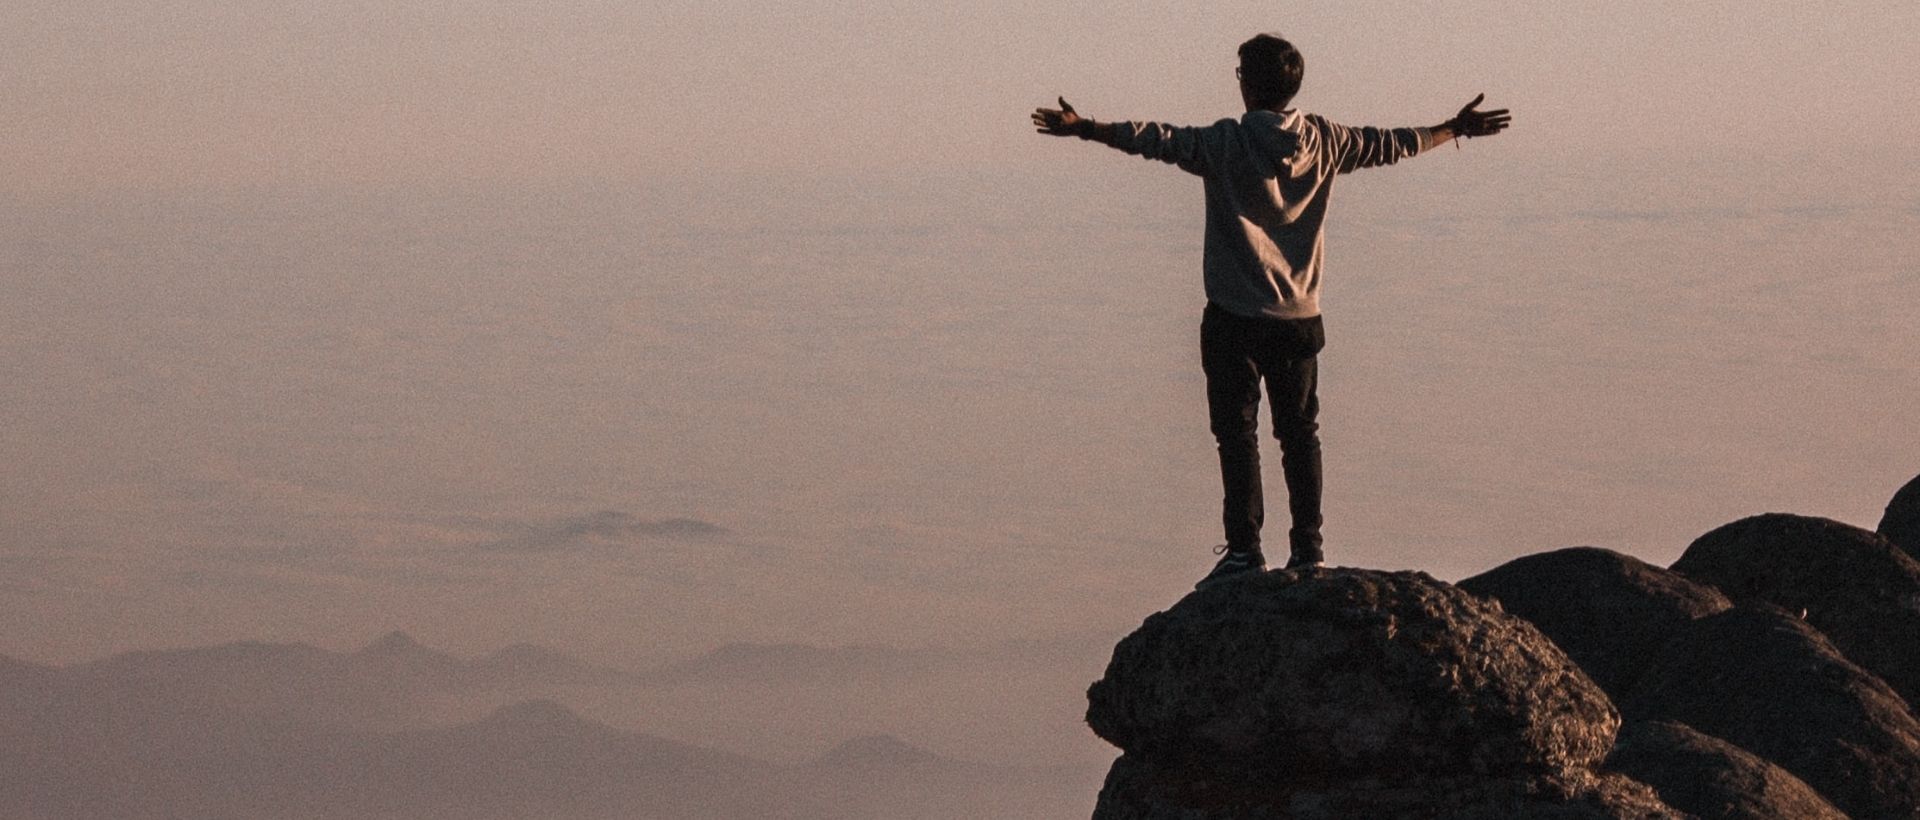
(1346, 693)
(1610, 612)
(1140, 791)
(1349, 672)
(1711, 778)
(1771, 684)
(1855, 586)
(1901, 523)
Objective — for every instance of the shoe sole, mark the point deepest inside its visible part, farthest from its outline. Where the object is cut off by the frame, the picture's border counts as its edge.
(1212, 580)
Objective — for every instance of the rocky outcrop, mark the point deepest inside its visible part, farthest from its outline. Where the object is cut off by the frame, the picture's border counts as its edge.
(1771, 673)
(1771, 684)
(1853, 585)
(1901, 523)
(1711, 778)
(1609, 612)
(1341, 693)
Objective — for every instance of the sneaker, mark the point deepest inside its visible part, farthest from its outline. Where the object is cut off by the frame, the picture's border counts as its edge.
(1232, 564)
(1303, 562)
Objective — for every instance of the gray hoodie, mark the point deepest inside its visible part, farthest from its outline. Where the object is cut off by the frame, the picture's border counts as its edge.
(1268, 176)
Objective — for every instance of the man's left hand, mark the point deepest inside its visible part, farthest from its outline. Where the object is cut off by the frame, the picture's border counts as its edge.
(1471, 123)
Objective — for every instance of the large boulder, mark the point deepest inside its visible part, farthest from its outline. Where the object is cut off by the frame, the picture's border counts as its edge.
(1139, 791)
(1901, 523)
(1610, 612)
(1349, 672)
(1349, 692)
(1853, 585)
(1766, 681)
(1711, 778)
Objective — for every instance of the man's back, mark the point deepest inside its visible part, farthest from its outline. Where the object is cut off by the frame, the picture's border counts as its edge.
(1268, 177)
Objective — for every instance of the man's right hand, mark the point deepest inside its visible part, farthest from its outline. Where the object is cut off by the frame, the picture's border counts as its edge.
(1061, 122)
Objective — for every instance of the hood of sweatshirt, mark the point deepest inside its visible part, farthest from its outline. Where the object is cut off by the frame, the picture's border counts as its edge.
(1277, 137)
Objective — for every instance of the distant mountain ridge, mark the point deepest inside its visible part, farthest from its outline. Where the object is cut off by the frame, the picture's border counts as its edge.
(386, 684)
(398, 659)
(288, 730)
(398, 653)
(11, 667)
(395, 654)
(533, 758)
(786, 662)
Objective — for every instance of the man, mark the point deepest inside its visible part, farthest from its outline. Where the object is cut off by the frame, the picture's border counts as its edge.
(1267, 178)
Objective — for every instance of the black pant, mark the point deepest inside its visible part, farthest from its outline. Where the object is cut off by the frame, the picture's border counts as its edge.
(1236, 352)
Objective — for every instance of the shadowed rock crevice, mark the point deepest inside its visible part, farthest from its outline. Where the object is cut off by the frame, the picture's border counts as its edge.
(1901, 523)
(1711, 778)
(1854, 586)
(1771, 684)
(1609, 611)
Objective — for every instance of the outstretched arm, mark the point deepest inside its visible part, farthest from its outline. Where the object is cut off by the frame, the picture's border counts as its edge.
(1065, 122)
(1176, 145)
(1353, 148)
(1471, 123)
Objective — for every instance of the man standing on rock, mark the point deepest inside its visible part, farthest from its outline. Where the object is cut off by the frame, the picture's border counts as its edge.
(1267, 178)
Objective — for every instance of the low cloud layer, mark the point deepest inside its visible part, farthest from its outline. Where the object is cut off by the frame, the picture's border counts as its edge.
(595, 528)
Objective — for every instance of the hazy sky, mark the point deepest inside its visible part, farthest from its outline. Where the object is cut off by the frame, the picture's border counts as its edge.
(109, 95)
(636, 327)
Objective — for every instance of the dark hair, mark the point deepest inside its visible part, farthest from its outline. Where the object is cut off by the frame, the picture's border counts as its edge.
(1270, 69)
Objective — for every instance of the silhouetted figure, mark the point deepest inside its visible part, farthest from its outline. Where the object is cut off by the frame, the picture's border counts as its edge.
(1268, 176)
